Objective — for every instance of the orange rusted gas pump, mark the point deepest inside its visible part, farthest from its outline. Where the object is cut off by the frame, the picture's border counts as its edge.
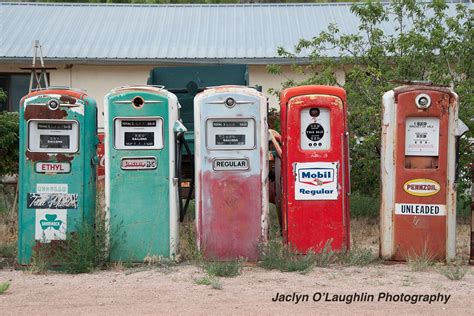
(418, 172)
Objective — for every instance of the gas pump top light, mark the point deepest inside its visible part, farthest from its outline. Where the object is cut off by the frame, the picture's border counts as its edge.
(138, 102)
(423, 101)
(314, 112)
(53, 104)
(229, 102)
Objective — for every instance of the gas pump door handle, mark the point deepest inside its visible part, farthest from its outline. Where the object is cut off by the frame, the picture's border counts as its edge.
(178, 127)
(94, 161)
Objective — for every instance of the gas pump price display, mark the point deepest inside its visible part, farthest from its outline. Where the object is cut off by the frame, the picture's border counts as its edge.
(136, 133)
(230, 133)
(422, 136)
(47, 136)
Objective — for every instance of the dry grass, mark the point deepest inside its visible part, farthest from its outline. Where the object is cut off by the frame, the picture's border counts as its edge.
(365, 233)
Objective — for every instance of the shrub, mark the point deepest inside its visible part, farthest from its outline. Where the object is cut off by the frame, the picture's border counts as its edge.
(82, 251)
(9, 134)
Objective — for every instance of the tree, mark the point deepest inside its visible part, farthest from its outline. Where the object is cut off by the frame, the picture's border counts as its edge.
(427, 44)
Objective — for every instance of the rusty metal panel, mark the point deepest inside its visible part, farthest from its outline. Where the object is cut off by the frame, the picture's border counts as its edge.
(418, 206)
(315, 168)
(232, 195)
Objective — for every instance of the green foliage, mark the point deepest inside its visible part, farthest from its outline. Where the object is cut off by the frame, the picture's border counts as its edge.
(364, 206)
(4, 287)
(3, 95)
(9, 132)
(428, 45)
(224, 268)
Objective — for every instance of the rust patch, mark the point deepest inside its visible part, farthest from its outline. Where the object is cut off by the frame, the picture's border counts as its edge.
(64, 158)
(43, 112)
(67, 99)
(37, 156)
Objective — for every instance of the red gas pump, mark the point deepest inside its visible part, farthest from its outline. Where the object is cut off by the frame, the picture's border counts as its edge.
(315, 168)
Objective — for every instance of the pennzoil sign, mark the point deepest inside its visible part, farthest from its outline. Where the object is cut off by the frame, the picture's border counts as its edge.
(421, 187)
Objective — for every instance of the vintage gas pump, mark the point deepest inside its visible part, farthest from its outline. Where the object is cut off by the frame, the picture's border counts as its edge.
(418, 161)
(315, 168)
(57, 167)
(141, 189)
(231, 145)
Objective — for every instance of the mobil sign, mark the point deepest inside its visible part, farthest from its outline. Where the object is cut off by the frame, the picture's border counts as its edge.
(316, 181)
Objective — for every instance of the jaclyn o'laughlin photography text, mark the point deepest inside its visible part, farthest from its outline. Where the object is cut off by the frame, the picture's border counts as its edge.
(297, 298)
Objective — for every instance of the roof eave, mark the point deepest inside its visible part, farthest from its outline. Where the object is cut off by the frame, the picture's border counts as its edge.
(141, 61)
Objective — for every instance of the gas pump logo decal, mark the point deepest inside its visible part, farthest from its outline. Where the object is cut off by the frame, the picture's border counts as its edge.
(316, 181)
(50, 225)
(316, 176)
(421, 187)
(52, 200)
(50, 222)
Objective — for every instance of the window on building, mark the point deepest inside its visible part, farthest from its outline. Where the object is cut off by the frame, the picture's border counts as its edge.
(16, 86)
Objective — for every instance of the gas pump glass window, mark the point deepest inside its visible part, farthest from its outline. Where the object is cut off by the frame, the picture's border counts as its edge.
(138, 133)
(53, 136)
(230, 133)
(421, 142)
(315, 128)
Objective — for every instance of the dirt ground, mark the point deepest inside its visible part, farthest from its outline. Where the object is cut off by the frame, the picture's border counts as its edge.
(173, 290)
(155, 291)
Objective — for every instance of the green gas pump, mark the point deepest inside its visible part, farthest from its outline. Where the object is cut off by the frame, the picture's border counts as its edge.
(141, 182)
(57, 176)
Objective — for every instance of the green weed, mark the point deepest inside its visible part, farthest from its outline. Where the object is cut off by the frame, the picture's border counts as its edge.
(224, 268)
(358, 257)
(209, 280)
(187, 247)
(4, 287)
(281, 257)
(453, 272)
(7, 254)
(422, 261)
(82, 251)
(40, 260)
